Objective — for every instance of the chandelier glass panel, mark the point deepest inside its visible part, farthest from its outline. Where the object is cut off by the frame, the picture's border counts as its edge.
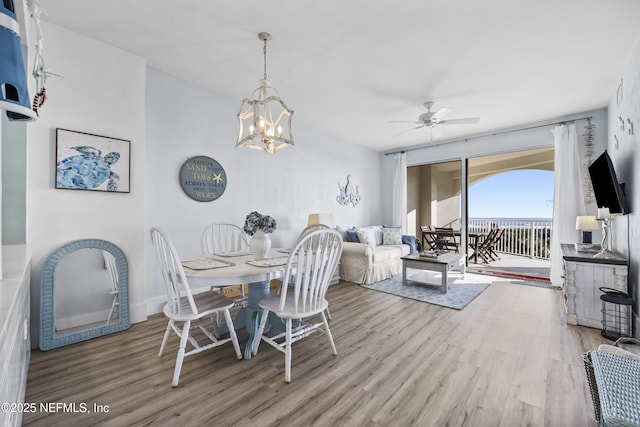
(265, 120)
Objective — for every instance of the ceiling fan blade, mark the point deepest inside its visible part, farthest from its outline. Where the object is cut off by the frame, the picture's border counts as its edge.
(436, 133)
(405, 121)
(440, 114)
(466, 121)
(408, 130)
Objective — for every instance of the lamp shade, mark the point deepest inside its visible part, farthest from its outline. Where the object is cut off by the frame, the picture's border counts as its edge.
(587, 223)
(321, 218)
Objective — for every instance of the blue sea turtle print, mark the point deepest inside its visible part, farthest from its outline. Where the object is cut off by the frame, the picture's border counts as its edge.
(88, 170)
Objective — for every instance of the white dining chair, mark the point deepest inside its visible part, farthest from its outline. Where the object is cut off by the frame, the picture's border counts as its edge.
(223, 239)
(308, 229)
(110, 264)
(183, 307)
(310, 267)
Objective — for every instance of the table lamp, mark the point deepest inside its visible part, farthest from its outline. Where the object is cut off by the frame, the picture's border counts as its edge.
(586, 224)
(321, 218)
(604, 215)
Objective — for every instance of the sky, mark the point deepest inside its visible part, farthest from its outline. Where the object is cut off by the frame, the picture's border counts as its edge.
(514, 194)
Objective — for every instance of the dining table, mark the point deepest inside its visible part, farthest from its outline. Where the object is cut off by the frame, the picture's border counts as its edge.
(235, 268)
(475, 238)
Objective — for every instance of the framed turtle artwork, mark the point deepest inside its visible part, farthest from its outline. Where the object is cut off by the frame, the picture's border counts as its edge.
(92, 162)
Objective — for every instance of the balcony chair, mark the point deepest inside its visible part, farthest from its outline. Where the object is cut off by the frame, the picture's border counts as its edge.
(183, 307)
(219, 238)
(428, 237)
(486, 249)
(496, 238)
(310, 266)
(445, 239)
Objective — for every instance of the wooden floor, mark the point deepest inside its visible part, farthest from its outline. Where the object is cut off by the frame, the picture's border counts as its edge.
(507, 359)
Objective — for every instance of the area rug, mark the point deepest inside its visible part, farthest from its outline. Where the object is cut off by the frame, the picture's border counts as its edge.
(460, 291)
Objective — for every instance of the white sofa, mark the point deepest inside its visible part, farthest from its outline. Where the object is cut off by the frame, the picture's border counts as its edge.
(366, 263)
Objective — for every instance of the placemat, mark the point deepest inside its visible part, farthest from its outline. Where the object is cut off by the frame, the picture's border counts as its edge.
(232, 254)
(269, 262)
(206, 263)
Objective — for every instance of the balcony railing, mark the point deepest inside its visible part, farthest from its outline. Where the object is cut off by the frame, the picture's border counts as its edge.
(530, 237)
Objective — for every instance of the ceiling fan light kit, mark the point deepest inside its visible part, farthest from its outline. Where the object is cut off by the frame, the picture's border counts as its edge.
(265, 120)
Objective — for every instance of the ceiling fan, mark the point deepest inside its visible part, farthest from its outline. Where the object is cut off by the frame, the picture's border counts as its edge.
(430, 119)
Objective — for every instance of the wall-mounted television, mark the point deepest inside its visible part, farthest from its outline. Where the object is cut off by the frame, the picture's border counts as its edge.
(608, 191)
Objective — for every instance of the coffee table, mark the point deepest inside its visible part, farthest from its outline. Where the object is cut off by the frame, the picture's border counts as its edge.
(441, 264)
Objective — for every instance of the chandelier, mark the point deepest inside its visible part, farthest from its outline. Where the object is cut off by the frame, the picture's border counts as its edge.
(265, 120)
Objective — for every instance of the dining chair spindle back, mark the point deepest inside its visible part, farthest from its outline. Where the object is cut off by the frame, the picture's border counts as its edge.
(184, 307)
(310, 267)
(221, 238)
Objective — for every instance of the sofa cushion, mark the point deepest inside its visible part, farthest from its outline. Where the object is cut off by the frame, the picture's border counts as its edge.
(392, 235)
(377, 231)
(343, 232)
(367, 235)
(386, 252)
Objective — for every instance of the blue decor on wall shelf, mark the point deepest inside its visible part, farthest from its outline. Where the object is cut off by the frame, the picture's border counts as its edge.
(14, 97)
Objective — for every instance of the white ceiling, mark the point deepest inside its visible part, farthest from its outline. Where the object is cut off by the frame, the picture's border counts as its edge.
(349, 67)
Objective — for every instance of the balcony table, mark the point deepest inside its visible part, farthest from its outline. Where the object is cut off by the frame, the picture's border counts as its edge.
(475, 237)
(258, 278)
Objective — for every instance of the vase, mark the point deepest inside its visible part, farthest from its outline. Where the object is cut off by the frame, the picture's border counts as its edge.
(260, 244)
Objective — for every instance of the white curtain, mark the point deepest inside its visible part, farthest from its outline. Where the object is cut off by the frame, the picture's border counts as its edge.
(399, 209)
(568, 197)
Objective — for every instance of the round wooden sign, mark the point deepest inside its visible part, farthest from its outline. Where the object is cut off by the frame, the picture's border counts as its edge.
(202, 178)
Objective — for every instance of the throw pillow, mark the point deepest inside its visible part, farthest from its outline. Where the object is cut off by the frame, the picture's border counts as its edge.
(352, 236)
(411, 241)
(367, 235)
(392, 236)
(377, 231)
(343, 233)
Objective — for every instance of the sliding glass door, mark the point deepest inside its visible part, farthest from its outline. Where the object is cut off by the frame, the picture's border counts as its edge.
(513, 191)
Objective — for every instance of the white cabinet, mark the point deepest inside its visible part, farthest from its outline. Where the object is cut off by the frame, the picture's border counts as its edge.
(584, 275)
(15, 345)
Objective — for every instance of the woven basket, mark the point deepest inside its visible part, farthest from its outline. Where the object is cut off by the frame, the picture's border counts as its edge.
(619, 391)
(593, 388)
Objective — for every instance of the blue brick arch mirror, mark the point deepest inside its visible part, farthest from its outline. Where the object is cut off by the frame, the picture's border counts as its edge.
(84, 293)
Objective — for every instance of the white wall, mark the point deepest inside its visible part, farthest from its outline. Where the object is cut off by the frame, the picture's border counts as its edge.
(103, 93)
(184, 120)
(625, 157)
(14, 159)
(106, 91)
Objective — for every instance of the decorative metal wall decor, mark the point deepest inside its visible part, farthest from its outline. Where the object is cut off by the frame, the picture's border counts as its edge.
(203, 179)
(348, 194)
(91, 162)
